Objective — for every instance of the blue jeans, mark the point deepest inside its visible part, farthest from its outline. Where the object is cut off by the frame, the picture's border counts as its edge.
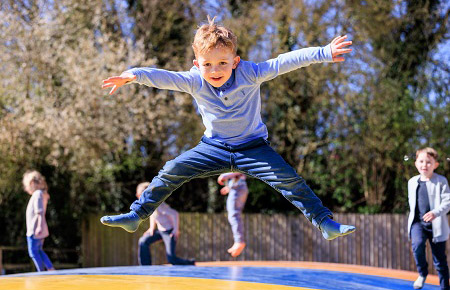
(210, 157)
(419, 237)
(145, 241)
(235, 205)
(37, 254)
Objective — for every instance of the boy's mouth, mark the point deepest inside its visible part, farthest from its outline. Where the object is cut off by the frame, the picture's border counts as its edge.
(216, 78)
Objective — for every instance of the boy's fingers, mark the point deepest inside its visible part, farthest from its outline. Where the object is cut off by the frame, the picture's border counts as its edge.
(107, 80)
(342, 51)
(335, 39)
(345, 50)
(339, 39)
(113, 90)
(112, 78)
(339, 59)
(347, 43)
(107, 85)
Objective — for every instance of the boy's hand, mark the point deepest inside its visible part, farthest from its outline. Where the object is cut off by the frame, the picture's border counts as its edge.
(118, 81)
(428, 217)
(149, 232)
(338, 47)
(225, 190)
(175, 234)
(220, 180)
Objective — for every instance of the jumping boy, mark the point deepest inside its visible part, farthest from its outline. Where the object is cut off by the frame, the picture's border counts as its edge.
(227, 92)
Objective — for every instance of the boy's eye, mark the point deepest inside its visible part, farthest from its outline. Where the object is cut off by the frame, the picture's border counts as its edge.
(223, 63)
(207, 64)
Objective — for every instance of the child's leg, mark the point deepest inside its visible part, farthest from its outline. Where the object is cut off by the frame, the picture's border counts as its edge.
(201, 161)
(48, 264)
(265, 164)
(145, 241)
(235, 205)
(170, 244)
(440, 263)
(34, 253)
(418, 243)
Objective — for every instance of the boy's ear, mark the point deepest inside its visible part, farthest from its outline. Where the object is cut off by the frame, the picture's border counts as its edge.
(236, 61)
(195, 62)
(436, 164)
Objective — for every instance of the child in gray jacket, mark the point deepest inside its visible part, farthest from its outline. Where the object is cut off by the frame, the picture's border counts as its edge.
(429, 202)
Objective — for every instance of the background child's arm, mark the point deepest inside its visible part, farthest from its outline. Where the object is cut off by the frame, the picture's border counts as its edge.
(176, 222)
(39, 211)
(444, 206)
(151, 229)
(226, 176)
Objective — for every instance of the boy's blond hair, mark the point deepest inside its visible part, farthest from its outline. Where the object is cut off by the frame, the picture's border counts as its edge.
(33, 180)
(211, 35)
(141, 187)
(430, 152)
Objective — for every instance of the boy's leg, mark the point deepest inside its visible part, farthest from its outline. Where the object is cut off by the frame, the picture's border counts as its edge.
(440, 263)
(418, 243)
(265, 164)
(145, 257)
(201, 161)
(235, 205)
(170, 244)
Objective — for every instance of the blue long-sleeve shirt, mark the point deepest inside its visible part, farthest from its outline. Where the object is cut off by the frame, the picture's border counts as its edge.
(232, 113)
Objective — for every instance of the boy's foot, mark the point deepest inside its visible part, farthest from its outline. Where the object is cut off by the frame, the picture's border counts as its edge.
(331, 229)
(128, 221)
(236, 249)
(418, 284)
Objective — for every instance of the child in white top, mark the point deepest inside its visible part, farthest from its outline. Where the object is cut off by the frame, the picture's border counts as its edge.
(37, 229)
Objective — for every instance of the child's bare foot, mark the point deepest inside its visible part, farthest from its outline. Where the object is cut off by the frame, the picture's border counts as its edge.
(331, 229)
(236, 249)
(128, 221)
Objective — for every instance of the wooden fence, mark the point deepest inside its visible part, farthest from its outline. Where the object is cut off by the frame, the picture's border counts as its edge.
(380, 241)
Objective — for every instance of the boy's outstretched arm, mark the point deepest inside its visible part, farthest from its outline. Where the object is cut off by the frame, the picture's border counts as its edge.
(118, 81)
(338, 47)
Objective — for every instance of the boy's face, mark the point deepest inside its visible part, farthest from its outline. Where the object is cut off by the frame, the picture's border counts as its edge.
(216, 65)
(426, 164)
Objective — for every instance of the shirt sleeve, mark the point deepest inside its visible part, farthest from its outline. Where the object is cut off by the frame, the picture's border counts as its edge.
(286, 62)
(186, 81)
(444, 207)
(38, 205)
